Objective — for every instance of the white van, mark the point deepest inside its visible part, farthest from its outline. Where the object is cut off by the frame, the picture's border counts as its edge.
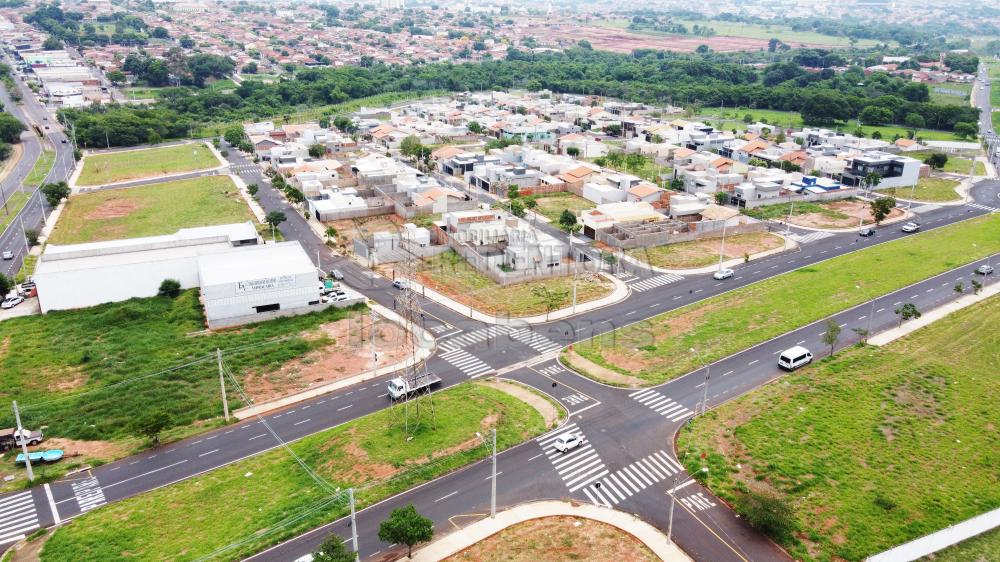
(794, 357)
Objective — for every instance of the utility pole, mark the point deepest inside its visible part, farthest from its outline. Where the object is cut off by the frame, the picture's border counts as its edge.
(670, 522)
(24, 443)
(722, 249)
(222, 384)
(354, 525)
(493, 492)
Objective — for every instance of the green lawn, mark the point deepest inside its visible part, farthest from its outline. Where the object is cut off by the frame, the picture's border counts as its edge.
(143, 92)
(872, 448)
(41, 168)
(254, 496)
(451, 274)
(984, 548)
(13, 205)
(552, 205)
(946, 94)
(781, 210)
(657, 349)
(701, 253)
(151, 210)
(927, 189)
(954, 165)
(100, 169)
(749, 30)
(735, 116)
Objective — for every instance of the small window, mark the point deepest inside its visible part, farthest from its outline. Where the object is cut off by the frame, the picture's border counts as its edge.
(799, 358)
(267, 307)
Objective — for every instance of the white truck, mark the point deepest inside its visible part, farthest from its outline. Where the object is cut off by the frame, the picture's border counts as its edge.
(10, 438)
(400, 387)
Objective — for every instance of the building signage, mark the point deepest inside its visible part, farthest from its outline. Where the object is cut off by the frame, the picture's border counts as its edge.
(265, 284)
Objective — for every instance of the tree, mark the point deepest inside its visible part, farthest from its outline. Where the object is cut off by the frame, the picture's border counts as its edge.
(906, 312)
(875, 115)
(862, 334)
(976, 286)
(116, 77)
(965, 130)
(252, 189)
(331, 233)
(584, 44)
(10, 128)
(250, 68)
(410, 146)
(406, 526)
(832, 334)
(317, 151)
(6, 284)
(32, 235)
(613, 129)
(159, 33)
(55, 192)
(881, 207)
(517, 207)
(702, 49)
(767, 513)
(721, 197)
(567, 219)
(914, 121)
(573, 151)
(186, 42)
(936, 160)
(52, 43)
(169, 288)
(234, 135)
(959, 288)
(551, 298)
(332, 550)
(475, 127)
(150, 424)
(513, 192)
(747, 118)
(274, 218)
(877, 135)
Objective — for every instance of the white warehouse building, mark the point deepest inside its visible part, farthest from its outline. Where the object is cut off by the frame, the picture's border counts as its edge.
(241, 281)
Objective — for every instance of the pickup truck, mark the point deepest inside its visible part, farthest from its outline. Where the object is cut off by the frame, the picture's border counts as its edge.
(10, 438)
(400, 387)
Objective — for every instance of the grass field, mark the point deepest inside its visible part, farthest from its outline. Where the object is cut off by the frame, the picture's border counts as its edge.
(946, 94)
(252, 497)
(151, 210)
(552, 205)
(557, 539)
(781, 210)
(41, 168)
(934, 190)
(451, 274)
(657, 349)
(954, 165)
(701, 253)
(872, 448)
(750, 30)
(730, 118)
(984, 548)
(100, 169)
(12, 206)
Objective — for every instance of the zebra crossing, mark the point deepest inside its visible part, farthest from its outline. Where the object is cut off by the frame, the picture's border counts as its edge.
(439, 328)
(17, 516)
(474, 337)
(984, 207)
(551, 370)
(661, 405)
(88, 494)
(632, 479)
(575, 399)
(534, 340)
(925, 208)
(576, 468)
(248, 169)
(657, 281)
(466, 362)
(697, 502)
(811, 237)
(626, 276)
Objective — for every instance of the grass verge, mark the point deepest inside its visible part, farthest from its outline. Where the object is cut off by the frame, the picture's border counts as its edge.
(657, 349)
(552, 205)
(928, 189)
(151, 210)
(249, 499)
(871, 448)
(450, 274)
(41, 168)
(701, 253)
(100, 169)
(781, 210)
(15, 203)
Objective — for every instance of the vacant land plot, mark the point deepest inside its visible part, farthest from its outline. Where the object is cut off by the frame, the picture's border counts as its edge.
(955, 164)
(450, 274)
(951, 94)
(658, 349)
(557, 539)
(151, 210)
(701, 253)
(833, 214)
(872, 448)
(984, 548)
(552, 205)
(771, 116)
(927, 189)
(249, 500)
(113, 167)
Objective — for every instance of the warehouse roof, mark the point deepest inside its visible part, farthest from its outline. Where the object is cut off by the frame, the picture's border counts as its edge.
(254, 263)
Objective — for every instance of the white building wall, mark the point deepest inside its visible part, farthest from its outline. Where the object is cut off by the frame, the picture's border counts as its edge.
(227, 300)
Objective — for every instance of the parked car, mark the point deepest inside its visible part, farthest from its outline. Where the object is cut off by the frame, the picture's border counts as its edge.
(567, 442)
(401, 284)
(8, 255)
(794, 357)
(11, 302)
(723, 274)
(984, 269)
(911, 227)
(866, 232)
(336, 274)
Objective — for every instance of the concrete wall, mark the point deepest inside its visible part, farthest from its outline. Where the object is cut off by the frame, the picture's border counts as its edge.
(226, 301)
(264, 316)
(664, 238)
(833, 196)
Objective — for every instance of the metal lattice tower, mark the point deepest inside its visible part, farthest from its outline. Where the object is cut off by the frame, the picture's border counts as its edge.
(416, 408)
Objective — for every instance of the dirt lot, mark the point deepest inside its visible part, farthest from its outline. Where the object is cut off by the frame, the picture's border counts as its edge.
(841, 214)
(625, 42)
(557, 539)
(350, 229)
(349, 353)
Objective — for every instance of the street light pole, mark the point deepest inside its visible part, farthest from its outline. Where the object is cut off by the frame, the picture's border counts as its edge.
(493, 479)
(708, 370)
(673, 499)
(722, 248)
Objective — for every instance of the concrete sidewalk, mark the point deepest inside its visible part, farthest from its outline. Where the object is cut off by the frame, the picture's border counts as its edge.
(463, 538)
(935, 314)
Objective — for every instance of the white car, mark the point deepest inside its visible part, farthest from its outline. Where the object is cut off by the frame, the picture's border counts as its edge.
(8, 255)
(567, 442)
(11, 302)
(401, 284)
(911, 227)
(723, 274)
(984, 269)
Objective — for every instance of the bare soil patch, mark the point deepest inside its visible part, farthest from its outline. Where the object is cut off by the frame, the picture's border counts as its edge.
(113, 209)
(557, 539)
(545, 407)
(348, 353)
(844, 214)
(105, 450)
(599, 372)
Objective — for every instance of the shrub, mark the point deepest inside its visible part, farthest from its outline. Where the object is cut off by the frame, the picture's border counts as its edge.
(169, 288)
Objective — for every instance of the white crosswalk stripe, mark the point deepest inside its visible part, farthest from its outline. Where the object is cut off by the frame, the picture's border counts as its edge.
(534, 340)
(88, 494)
(811, 237)
(474, 337)
(632, 479)
(466, 362)
(241, 169)
(925, 208)
(576, 468)
(654, 282)
(17, 516)
(697, 502)
(661, 404)
(626, 276)
(439, 328)
(551, 370)
(574, 399)
(984, 207)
